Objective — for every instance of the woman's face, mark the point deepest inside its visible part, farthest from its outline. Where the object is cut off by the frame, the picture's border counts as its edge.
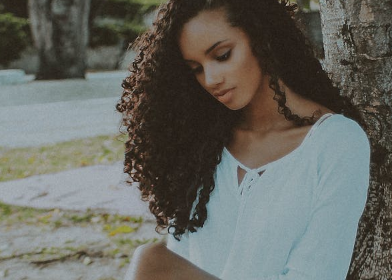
(221, 59)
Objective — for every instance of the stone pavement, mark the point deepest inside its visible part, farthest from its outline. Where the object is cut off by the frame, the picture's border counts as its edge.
(46, 112)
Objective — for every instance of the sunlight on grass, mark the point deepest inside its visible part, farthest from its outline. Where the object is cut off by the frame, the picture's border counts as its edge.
(24, 162)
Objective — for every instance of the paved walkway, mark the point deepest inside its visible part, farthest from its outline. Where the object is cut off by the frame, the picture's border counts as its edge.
(100, 187)
(47, 112)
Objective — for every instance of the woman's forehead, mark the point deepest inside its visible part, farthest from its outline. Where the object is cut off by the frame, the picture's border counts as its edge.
(204, 30)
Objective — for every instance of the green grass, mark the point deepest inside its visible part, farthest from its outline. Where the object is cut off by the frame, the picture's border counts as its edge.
(24, 162)
(55, 218)
(14, 214)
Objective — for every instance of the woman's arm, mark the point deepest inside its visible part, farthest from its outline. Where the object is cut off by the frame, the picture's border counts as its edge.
(155, 261)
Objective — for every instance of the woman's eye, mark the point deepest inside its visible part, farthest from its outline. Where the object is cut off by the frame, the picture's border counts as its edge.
(224, 56)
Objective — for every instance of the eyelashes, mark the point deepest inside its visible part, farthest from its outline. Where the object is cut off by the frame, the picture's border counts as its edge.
(224, 57)
(220, 58)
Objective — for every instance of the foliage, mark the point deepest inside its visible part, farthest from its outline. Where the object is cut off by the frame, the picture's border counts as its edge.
(130, 31)
(17, 8)
(113, 33)
(104, 35)
(128, 9)
(15, 38)
(304, 4)
(118, 21)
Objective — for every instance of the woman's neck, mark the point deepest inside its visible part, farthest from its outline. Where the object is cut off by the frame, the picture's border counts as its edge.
(261, 114)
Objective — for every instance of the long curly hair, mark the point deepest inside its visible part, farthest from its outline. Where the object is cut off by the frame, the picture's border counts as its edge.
(177, 131)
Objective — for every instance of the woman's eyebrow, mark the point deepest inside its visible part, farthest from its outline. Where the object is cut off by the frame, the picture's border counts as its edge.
(214, 46)
(210, 49)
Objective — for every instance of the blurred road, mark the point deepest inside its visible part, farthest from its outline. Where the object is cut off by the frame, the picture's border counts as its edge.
(46, 112)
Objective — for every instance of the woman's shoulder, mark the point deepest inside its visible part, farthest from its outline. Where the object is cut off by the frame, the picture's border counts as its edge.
(337, 132)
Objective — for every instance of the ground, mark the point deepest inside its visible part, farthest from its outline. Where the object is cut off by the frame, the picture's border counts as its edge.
(57, 244)
(49, 127)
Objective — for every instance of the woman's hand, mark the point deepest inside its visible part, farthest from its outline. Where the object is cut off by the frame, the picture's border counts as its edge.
(155, 261)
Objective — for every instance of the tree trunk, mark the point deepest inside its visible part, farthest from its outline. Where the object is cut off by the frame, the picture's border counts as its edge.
(358, 55)
(60, 32)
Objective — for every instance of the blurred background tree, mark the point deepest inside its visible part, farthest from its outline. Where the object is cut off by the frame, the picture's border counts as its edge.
(62, 31)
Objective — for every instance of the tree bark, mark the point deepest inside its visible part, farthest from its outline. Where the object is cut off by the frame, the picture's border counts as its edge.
(358, 55)
(60, 33)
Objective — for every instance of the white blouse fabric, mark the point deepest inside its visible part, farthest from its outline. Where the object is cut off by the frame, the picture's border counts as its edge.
(297, 220)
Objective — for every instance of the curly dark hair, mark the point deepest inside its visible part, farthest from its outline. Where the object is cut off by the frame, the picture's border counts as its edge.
(177, 131)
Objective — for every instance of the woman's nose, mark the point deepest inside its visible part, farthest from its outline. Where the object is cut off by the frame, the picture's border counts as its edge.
(213, 77)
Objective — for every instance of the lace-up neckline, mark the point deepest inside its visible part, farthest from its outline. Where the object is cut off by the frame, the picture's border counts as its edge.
(253, 175)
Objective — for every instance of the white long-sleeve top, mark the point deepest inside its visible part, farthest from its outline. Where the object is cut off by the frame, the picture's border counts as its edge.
(296, 221)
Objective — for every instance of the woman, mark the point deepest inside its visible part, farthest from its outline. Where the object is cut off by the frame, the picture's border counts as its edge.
(243, 147)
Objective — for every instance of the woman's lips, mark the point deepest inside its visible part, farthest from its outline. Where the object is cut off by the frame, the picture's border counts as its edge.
(224, 96)
(222, 92)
